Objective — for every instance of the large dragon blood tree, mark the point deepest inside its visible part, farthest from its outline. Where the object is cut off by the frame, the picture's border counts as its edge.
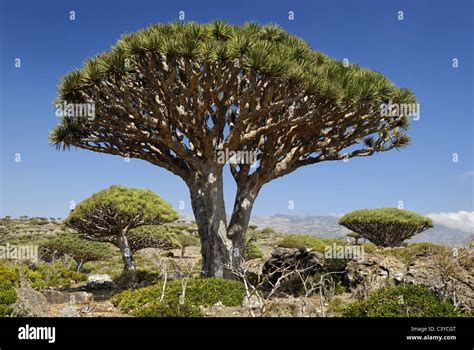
(180, 94)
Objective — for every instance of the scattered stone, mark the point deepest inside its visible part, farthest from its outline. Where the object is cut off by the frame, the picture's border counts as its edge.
(252, 303)
(56, 297)
(30, 303)
(218, 306)
(80, 298)
(100, 282)
(371, 273)
(69, 311)
(105, 306)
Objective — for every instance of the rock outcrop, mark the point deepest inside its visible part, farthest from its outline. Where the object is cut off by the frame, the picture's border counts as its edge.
(379, 270)
(58, 297)
(30, 303)
(286, 259)
(448, 276)
(100, 282)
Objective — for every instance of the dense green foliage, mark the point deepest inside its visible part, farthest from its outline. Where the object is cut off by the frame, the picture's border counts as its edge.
(402, 301)
(386, 216)
(51, 275)
(308, 242)
(153, 236)
(116, 215)
(199, 291)
(82, 251)
(8, 278)
(386, 227)
(38, 277)
(188, 240)
(267, 50)
(169, 309)
(252, 250)
(268, 230)
(126, 203)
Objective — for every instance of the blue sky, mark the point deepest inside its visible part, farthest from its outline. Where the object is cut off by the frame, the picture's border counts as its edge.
(416, 53)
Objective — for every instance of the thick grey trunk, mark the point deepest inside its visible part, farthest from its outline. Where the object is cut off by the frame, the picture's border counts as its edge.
(239, 222)
(127, 256)
(221, 245)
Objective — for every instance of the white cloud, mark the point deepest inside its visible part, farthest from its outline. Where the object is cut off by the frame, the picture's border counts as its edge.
(462, 220)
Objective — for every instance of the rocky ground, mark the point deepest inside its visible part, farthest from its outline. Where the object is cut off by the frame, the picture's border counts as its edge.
(447, 272)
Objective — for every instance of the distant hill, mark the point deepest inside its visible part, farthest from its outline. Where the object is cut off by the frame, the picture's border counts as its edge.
(444, 235)
(327, 226)
(322, 226)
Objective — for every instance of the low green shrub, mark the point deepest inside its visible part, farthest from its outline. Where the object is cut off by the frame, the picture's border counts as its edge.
(50, 275)
(252, 251)
(411, 252)
(309, 242)
(336, 306)
(402, 301)
(169, 309)
(8, 278)
(282, 309)
(8, 273)
(369, 247)
(199, 291)
(268, 230)
(147, 277)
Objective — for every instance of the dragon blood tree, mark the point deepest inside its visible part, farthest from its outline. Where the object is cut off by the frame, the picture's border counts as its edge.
(386, 227)
(80, 250)
(117, 215)
(179, 95)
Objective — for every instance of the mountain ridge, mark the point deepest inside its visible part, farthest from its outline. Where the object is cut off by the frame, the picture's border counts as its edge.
(327, 226)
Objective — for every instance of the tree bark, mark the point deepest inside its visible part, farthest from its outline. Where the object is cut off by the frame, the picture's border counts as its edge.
(127, 256)
(79, 266)
(221, 244)
(239, 222)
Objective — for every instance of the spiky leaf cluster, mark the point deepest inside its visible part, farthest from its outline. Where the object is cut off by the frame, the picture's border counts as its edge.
(117, 210)
(176, 94)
